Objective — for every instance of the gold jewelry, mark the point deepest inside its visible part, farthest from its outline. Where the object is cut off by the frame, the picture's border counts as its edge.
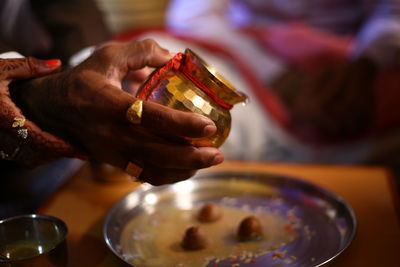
(133, 170)
(18, 122)
(22, 133)
(134, 112)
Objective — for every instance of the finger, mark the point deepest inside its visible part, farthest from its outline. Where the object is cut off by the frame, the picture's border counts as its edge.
(161, 176)
(130, 86)
(174, 156)
(159, 119)
(23, 68)
(147, 53)
(134, 79)
(141, 75)
(138, 75)
(164, 120)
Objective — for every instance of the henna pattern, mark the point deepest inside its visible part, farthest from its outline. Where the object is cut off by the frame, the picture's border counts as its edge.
(7, 66)
(19, 137)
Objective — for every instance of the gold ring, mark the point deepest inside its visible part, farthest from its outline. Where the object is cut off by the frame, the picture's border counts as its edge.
(134, 112)
(133, 170)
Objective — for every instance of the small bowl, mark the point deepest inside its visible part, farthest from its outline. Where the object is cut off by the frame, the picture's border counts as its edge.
(33, 240)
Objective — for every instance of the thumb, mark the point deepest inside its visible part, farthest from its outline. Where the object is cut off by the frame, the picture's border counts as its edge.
(24, 68)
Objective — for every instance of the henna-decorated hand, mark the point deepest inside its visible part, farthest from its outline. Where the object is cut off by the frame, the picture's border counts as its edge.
(87, 106)
(22, 140)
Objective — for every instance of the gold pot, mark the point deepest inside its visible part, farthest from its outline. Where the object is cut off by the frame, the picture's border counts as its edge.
(187, 83)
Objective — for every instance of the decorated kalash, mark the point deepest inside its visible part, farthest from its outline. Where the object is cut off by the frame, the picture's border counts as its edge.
(188, 83)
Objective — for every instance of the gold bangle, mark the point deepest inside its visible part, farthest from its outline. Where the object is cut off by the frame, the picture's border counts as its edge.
(134, 112)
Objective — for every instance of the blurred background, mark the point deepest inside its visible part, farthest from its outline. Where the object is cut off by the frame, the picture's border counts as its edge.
(122, 15)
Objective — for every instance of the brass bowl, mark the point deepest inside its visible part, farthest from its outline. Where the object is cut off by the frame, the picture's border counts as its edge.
(194, 86)
(33, 240)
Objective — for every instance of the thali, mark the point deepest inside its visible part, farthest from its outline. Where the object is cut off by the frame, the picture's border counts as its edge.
(305, 225)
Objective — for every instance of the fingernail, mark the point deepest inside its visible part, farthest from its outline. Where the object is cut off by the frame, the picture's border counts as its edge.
(209, 130)
(219, 158)
(53, 62)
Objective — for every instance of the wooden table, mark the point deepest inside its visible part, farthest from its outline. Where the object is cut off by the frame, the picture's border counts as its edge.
(83, 203)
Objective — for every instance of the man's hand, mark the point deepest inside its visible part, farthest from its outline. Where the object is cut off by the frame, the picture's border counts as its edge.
(86, 106)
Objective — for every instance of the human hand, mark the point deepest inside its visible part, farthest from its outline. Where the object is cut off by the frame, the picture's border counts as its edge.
(87, 106)
(303, 46)
(21, 140)
(332, 103)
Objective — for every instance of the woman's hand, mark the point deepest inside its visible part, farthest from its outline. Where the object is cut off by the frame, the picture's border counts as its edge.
(86, 106)
(21, 140)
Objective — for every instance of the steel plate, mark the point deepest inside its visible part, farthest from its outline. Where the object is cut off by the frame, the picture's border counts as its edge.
(327, 216)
